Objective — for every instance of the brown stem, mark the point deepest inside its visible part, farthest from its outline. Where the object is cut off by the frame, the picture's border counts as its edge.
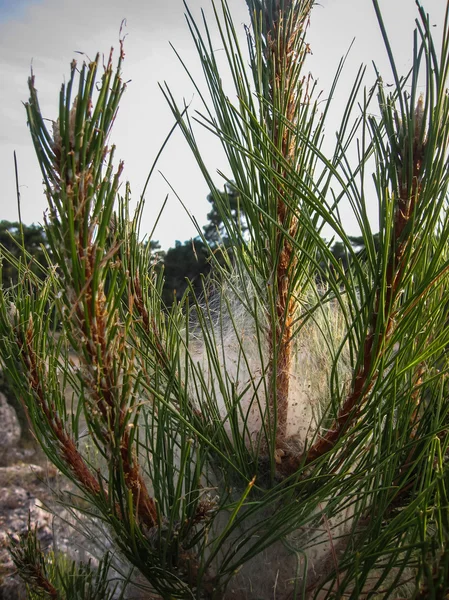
(100, 360)
(281, 335)
(68, 447)
(365, 377)
(41, 582)
(282, 34)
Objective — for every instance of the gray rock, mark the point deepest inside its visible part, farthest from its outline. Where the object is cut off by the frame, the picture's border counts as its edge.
(9, 424)
(12, 588)
(16, 503)
(27, 475)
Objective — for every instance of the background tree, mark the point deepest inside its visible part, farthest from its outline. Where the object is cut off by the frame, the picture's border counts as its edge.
(339, 249)
(215, 230)
(34, 243)
(184, 266)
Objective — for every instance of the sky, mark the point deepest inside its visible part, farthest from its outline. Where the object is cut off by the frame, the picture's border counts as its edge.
(47, 34)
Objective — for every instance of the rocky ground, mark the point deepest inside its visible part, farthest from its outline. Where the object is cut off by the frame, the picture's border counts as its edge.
(26, 484)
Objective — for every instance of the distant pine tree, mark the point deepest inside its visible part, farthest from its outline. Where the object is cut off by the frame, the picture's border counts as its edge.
(35, 246)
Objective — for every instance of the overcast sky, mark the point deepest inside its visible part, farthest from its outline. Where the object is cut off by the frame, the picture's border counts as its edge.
(46, 34)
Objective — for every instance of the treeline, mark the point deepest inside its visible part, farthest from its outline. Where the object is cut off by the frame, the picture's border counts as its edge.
(185, 262)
